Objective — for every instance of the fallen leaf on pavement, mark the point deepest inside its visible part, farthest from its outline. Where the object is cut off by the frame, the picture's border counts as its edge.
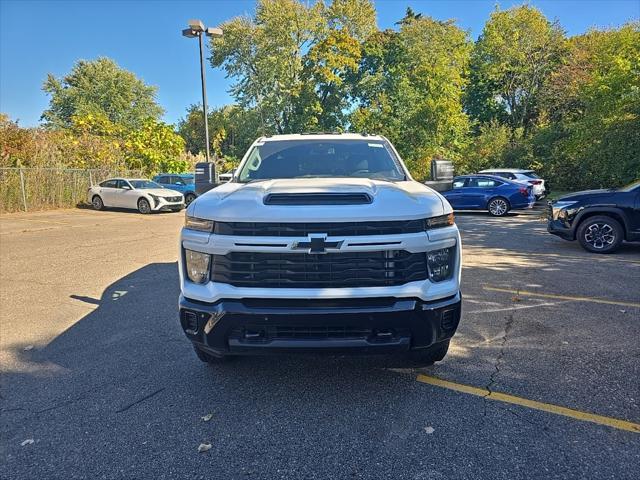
(28, 441)
(28, 347)
(429, 430)
(207, 417)
(204, 447)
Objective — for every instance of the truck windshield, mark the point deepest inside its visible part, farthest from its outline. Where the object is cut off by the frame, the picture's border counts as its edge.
(321, 159)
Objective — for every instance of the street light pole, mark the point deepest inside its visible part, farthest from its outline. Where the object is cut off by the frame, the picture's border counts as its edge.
(197, 29)
(204, 100)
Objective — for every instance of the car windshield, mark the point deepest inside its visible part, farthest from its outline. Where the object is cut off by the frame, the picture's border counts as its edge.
(632, 186)
(143, 184)
(320, 159)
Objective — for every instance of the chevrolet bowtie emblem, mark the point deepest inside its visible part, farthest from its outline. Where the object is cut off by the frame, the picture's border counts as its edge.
(317, 244)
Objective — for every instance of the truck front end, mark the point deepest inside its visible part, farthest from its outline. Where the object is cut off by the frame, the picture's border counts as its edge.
(320, 244)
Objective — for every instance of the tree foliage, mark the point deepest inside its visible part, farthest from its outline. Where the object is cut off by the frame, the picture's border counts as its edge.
(410, 88)
(291, 61)
(100, 87)
(514, 56)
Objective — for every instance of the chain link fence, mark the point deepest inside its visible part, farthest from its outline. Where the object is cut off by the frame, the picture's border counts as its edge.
(31, 189)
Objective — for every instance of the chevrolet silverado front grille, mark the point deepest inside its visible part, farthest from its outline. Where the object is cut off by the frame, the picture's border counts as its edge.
(303, 270)
(332, 229)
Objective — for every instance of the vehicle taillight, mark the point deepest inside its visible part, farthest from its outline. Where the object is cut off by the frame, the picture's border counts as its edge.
(535, 182)
(524, 191)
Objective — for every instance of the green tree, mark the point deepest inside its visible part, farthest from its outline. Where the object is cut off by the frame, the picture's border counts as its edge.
(410, 88)
(100, 87)
(511, 62)
(232, 129)
(155, 148)
(291, 61)
(593, 103)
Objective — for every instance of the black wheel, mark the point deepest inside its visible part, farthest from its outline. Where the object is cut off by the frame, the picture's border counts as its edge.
(97, 203)
(188, 198)
(431, 355)
(498, 207)
(143, 206)
(600, 234)
(207, 357)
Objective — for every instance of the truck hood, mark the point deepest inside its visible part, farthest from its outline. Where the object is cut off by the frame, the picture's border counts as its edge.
(244, 202)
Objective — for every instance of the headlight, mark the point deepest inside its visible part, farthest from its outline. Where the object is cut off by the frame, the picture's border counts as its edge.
(155, 198)
(200, 224)
(562, 204)
(440, 263)
(441, 221)
(197, 264)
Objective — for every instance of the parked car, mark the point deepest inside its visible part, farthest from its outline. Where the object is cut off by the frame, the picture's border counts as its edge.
(495, 194)
(540, 187)
(180, 182)
(323, 243)
(599, 219)
(225, 177)
(136, 193)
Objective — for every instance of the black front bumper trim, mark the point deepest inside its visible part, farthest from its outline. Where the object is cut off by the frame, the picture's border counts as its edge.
(260, 326)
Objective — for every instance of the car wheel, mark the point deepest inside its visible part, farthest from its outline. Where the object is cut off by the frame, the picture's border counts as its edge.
(143, 206)
(97, 203)
(188, 198)
(431, 355)
(207, 357)
(600, 234)
(498, 207)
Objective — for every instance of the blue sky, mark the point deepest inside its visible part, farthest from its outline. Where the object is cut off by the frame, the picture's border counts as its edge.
(48, 36)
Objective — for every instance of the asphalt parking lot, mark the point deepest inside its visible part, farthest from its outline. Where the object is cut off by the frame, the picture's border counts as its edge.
(98, 381)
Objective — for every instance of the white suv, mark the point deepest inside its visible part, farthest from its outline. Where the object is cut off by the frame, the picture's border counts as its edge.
(525, 176)
(321, 242)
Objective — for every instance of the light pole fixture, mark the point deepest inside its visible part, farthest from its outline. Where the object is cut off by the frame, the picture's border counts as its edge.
(197, 29)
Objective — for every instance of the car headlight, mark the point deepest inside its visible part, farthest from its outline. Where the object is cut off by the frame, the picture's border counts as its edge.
(563, 204)
(199, 224)
(197, 264)
(440, 221)
(440, 263)
(155, 198)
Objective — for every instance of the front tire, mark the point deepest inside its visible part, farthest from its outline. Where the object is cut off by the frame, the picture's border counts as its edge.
(143, 206)
(600, 234)
(431, 355)
(97, 203)
(498, 207)
(188, 198)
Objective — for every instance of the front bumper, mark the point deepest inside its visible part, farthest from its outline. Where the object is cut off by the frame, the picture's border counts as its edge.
(163, 205)
(356, 325)
(559, 223)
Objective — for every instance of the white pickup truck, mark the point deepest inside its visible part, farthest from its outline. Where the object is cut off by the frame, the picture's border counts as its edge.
(320, 242)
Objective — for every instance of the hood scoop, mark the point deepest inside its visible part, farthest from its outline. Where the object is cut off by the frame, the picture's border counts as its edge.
(317, 199)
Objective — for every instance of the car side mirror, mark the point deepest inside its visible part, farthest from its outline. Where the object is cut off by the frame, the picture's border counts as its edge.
(179, 183)
(126, 187)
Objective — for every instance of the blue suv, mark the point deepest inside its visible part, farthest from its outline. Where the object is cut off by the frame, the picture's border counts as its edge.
(489, 192)
(181, 182)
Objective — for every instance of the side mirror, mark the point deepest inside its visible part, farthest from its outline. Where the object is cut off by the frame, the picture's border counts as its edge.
(179, 183)
(126, 187)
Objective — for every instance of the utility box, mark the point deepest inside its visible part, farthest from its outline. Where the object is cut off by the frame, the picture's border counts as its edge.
(441, 175)
(205, 178)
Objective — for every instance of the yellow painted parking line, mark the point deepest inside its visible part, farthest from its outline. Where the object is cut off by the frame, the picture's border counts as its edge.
(563, 297)
(524, 402)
